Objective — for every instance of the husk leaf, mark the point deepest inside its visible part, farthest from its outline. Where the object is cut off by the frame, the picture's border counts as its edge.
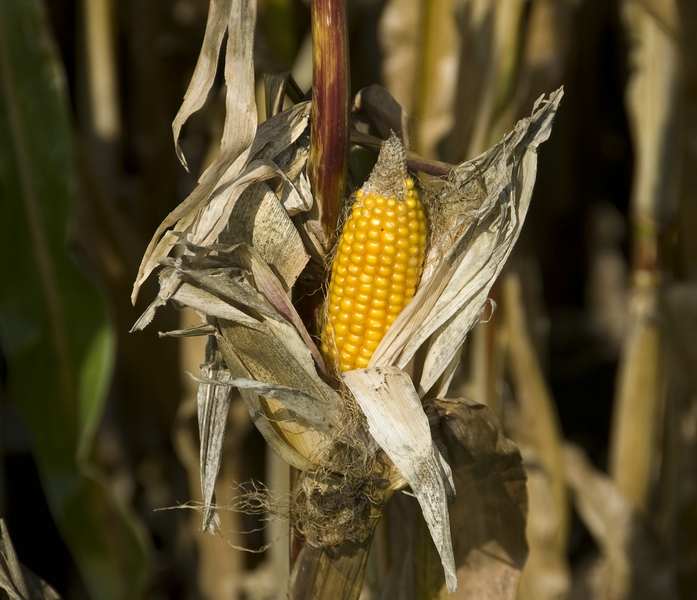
(398, 423)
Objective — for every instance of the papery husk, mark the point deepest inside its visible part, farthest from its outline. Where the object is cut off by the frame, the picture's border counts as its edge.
(487, 517)
(478, 212)
(240, 115)
(397, 422)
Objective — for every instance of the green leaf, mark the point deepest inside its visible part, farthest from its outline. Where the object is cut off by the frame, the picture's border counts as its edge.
(54, 333)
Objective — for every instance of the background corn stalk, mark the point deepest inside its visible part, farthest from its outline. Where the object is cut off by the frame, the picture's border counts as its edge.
(605, 269)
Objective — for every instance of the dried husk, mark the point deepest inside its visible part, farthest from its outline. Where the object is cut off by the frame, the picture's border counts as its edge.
(480, 210)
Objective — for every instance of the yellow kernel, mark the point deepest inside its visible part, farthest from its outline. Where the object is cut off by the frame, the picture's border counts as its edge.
(394, 309)
(343, 317)
(366, 279)
(369, 269)
(400, 267)
(388, 249)
(398, 279)
(377, 313)
(410, 183)
(360, 235)
(346, 304)
(413, 226)
(340, 330)
(361, 223)
(381, 283)
(392, 202)
(373, 247)
(354, 340)
(374, 335)
(364, 354)
(410, 282)
(403, 231)
(373, 234)
(411, 202)
(349, 348)
(372, 344)
(334, 308)
(397, 288)
(380, 294)
(402, 256)
(341, 269)
(378, 302)
(357, 259)
(357, 247)
(414, 250)
(354, 270)
(365, 288)
(402, 208)
(350, 290)
(362, 362)
(386, 259)
(371, 259)
(358, 317)
(384, 271)
(359, 194)
(364, 298)
(357, 328)
(343, 260)
(397, 299)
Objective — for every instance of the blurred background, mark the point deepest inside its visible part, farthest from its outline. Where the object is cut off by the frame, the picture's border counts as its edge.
(590, 360)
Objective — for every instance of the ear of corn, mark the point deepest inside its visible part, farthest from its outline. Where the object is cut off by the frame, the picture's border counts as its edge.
(375, 274)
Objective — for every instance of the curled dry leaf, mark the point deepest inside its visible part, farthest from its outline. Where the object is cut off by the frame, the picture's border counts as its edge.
(487, 517)
(479, 211)
(398, 423)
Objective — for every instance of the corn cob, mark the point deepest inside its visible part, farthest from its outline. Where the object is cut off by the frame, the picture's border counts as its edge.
(375, 274)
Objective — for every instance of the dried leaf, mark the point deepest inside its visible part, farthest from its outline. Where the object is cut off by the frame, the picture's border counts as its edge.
(399, 40)
(274, 439)
(377, 105)
(488, 516)
(540, 440)
(18, 582)
(632, 565)
(213, 403)
(455, 287)
(272, 362)
(240, 121)
(313, 412)
(397, 422)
